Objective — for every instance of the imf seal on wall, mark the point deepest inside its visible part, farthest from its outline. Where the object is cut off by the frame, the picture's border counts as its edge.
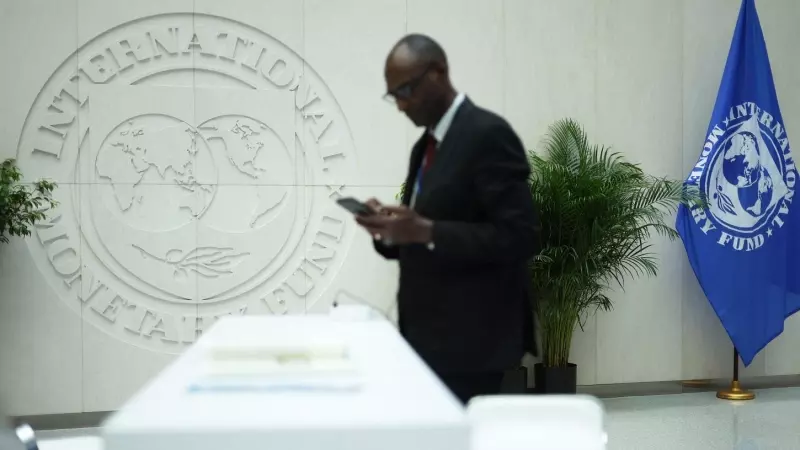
(198, 160)
(747, 172)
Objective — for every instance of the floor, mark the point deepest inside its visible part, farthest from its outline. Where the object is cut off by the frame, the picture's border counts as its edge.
(701, 421)
(687, 422)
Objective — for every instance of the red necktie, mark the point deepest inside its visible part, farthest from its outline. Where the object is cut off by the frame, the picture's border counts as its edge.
(427, 160)
(430, 150)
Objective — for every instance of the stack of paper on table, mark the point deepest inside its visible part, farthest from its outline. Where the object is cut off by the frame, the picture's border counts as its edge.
(305, 365)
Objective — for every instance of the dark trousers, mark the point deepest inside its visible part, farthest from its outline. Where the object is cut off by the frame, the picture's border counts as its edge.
(468, 385)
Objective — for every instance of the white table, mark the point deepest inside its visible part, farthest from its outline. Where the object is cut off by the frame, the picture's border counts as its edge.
(400, 405)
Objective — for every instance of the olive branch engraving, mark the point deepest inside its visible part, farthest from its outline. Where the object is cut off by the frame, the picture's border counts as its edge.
(209, 262)
(724, 202)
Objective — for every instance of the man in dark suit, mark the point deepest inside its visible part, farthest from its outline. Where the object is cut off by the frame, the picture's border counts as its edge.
(465, 229)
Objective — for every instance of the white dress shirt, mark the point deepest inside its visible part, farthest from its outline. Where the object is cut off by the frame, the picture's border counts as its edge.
(441, 128)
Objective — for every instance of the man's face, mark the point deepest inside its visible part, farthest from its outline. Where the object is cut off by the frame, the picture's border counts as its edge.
(411, 85)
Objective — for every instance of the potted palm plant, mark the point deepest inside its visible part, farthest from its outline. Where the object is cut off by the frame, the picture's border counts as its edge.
(598, 214)
(22, 205)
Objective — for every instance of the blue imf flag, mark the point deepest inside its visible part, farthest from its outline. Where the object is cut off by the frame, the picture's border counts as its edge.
(744, 242)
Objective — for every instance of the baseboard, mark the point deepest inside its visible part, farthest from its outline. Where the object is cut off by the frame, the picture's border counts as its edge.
(64, 421)
(678, 387)
(94, 419)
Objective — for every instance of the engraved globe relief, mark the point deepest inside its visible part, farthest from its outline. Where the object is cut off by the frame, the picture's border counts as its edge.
(159, 179)
(156, 149)
(198, 160)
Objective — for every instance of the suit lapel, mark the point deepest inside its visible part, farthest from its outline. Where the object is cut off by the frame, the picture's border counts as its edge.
(446, 152)
(456, 126)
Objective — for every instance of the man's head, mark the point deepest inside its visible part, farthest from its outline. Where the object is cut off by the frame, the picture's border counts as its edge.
(418, 79)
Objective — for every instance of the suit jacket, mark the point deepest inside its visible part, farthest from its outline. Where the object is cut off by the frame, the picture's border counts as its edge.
(464, 306)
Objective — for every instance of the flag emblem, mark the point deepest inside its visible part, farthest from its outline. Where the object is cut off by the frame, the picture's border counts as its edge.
(748, 176)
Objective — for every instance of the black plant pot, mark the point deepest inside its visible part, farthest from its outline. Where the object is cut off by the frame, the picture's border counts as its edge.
(556, 380)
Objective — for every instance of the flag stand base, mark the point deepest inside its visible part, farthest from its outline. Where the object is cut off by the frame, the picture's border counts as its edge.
(735, 392)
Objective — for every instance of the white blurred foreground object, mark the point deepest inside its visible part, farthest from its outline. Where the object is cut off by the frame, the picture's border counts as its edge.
(541, 422)
(355, 312)
(73, 443)
(293, 383)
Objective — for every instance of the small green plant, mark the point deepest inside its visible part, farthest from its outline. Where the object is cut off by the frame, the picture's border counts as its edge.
(22, 205)
(400, 193)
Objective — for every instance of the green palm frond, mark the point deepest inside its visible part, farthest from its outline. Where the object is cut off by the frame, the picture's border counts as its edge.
(599, 215)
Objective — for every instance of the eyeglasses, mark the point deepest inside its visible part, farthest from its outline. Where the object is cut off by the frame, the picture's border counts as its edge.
(405, 90)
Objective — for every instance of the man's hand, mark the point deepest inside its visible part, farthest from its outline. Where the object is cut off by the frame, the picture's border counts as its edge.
(377, 209)
(396, 225)
(375, 205)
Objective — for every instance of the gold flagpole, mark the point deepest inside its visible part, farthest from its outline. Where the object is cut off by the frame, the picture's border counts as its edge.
(735, 392)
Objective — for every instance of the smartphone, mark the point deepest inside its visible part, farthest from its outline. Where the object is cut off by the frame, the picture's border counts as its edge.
(354, 206)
